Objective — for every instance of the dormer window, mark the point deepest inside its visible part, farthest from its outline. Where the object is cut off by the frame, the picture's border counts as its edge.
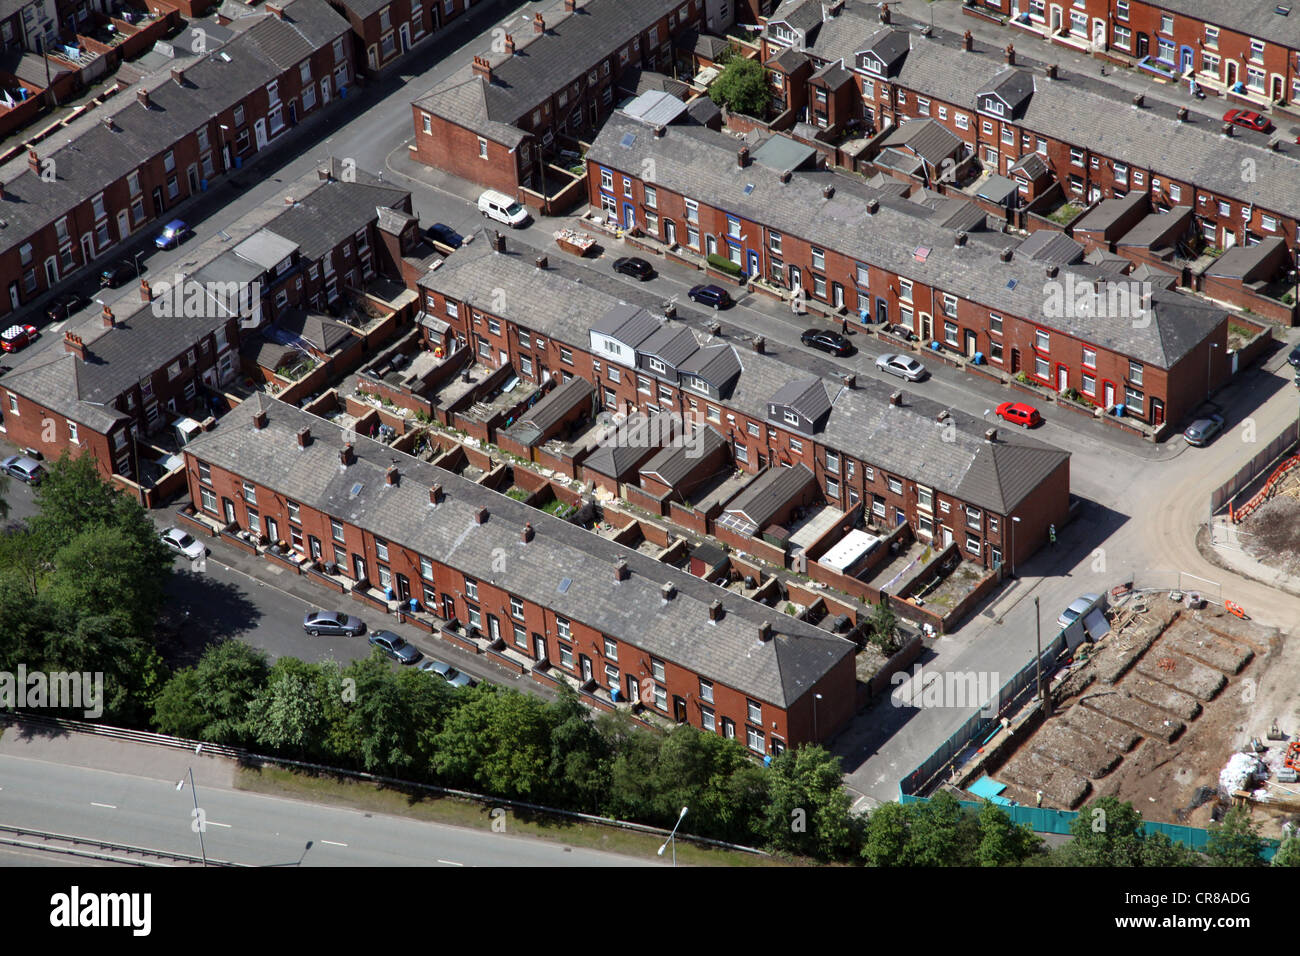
(791, 418)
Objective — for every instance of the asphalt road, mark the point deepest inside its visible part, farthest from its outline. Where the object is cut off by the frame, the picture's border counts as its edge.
(249, 828)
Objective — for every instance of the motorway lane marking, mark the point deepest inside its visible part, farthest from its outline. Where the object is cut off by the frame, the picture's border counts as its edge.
(332, 843)
(212, 823)
(106, 806)
(451, 863)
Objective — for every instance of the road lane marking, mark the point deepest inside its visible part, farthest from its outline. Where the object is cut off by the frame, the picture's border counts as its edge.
(451, 862)
(106, 806)
(212, 823)
(332, 843)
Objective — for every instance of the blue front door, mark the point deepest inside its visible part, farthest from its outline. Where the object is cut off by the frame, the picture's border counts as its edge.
(882, 310)
(629, 215)
(753, 261)
(1186, 59)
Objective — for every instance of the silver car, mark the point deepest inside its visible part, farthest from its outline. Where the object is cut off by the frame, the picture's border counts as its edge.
(183, 543)
(25, 469)
(1200, 432)
(904, 366)
(332, 622)
(1077, 609)
(448, 673)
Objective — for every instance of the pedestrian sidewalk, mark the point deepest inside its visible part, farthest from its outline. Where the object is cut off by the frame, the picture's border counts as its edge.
(1227, 547)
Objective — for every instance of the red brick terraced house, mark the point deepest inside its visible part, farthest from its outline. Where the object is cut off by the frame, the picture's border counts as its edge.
(1096, 147)
(557, 596)
(898, 457)
(383, 30)
(69, 203)
(553, 80)
(885, 258)
(1252, 42)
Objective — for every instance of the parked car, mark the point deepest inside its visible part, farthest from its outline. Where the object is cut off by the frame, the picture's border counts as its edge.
(332, 622)
(18, 337)
(634, 267)
(173, 234)
(1018, 413)
(1294, 357)
(711, 295)
(124, 270)
(183, 542)
(448, 673)
(826, 340)
(441, 232)
(1077, 609)
(901, 331)
(904, 366)
(502, 208)
(1200, 432)
(27, 470)
(1249, 119)
(63, 306)
(395, 646)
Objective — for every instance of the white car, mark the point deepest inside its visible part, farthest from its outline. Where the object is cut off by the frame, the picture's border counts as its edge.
(183, 542)
(904, 366)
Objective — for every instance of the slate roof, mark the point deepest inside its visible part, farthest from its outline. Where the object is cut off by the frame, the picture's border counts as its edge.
(319, 220)
(564, 567)
(674, 463)
(1154, 226)
(98, 155)
(540, 66)
(833, 75)
(807, 396)
(1239, 261)
(767, 494)
(320, 332)
(266, 249)
(632, 443)
(673, 344)
(716, 364)
(1047, 245)
(904, 441)
(629, 324)
(931, 141)
(1254, 18)
(1032, 165)
(700, 163)
(798, 14)
(787, 61)
(1109, 211)
(552, 409)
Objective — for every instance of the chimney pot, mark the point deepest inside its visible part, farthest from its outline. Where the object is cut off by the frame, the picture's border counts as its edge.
(107, 317)
(539, 23)
(143, 97)
(1138, 100)
(483, 68)
(304, 437)
(828, 191)
(1182, 114)
(991, 435)
(785, 176)
(146, 291)
(275, 11)
(1005, 254)
(873, 207)
(528, 532)
(895, 398)
(481, 516)
(570, 6)
(667, 590)
(660, 131)
(967, 41)
(1051, 271)
(541, 262)
(1011, 54)
(346, 456)
(510, 45)
(73, 344)
(498, 242)
(765, 631)
(390, 475)
(1227, 129)
(670, 311)
(850, 380)
(621, 572)
(760, 343)
(259, 419)
(885, 15)
(959, 239)
(34, 161)
(715, 611)
(1051, 71)
(742, 157)
(435, 494)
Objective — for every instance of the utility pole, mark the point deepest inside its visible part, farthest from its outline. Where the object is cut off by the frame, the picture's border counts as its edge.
(1038, 647)
(198, 817)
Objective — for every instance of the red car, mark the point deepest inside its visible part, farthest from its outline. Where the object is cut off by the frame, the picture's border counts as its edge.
(17, 337)
(1249, 119)
(1018, 413)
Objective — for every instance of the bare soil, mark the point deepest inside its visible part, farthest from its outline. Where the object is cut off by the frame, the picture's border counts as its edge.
(1272, 532)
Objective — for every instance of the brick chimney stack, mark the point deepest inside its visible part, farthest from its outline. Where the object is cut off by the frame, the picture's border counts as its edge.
(483, 68)
(146, 291)
(277, 12)
(481, 516)
(259, 419)
(178, 75)
(107, 317)
(621, 572)
(73, 344)
(435, 494)
(143, 97)
(539, 23)
(715, 611)
(528, 532)
(390, 475)
(304, 437)
(346, 455)
(967, 41)
(34, 161)
(510, 45)
(1010, 52)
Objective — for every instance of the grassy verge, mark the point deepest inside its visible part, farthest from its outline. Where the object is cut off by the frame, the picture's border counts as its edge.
(452, 811)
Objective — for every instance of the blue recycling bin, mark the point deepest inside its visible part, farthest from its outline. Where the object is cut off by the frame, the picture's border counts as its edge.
(388, 593)
(414, 605)
(979, 358)
(1119, 411)
(239, 162)
(934, 346)
(615, 695)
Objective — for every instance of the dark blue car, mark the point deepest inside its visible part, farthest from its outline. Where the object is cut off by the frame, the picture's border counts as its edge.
(173, 234)
(441, 232)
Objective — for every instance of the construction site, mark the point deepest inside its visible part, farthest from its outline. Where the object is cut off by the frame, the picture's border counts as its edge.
(1181, 709)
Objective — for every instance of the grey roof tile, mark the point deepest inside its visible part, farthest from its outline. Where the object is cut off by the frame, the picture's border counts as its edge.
(767, 494)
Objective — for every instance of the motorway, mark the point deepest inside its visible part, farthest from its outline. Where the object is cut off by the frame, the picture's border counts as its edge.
(41, 789)
(1142, 502)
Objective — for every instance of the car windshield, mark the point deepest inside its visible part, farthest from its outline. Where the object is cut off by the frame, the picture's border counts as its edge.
(341, 618)
(396, 641)
(185, 540)
(514, 209)
(451, 673)
(1070, 614)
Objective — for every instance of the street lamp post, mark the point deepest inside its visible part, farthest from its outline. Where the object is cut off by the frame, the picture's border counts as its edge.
(1011, 558)
(136, 257)
(816, 736)
(1038, 646)
(672, 837)
(1209, 368)
(198, 817)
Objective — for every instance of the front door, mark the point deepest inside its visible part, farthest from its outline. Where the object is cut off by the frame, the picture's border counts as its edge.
(837, 295)
(325, 89)
(403, 587)
(970, 343)
(1015, 361)
(158, 201)
(796, 278)
(585, 661)
(313, 543)
(123, 224)
(358, 567)
(1108, 394)
(193, 176)
(448, 607)
(947, 537)
(1157, 412)
(753, 261)
(539, 647)
(259, 132)
(272, 531)
(670, 232)
(1062, 378)
(1098, 33)
(494, 629)
(633, 689)
(229, 507)
(87, 248)
(1143, 44)
(629, 215)
(405, 34)
(1186, 62)
(679, 709)
(14, 301)
(882, 310)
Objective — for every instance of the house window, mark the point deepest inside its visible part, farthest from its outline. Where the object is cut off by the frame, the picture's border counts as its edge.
(895, 485)
(950, 333)
(832, 462)
(755, 740)
(521, 636)
(1135, 372)
(1089, 357)
(1042, 340)
(878, 506)
(972, 543)
(566, 656)
(250, 493)
(818, 258)
(381, 549)
(962, 121)
(949, 303)
(651, 198)
(707, 719)
(562, 628)
(209, 500)
(1133, 402)
(426, 568)
(1089, 384)
(1041, 368)
(205, 470)
(516, 608)
(294, 512)
(924, 497)
(796, 446)
(482, 148)
(471, 589)
(566, 356)
(692, 211)
(428, 124)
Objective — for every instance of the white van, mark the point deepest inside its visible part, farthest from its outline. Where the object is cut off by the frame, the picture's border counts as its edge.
(502, 208)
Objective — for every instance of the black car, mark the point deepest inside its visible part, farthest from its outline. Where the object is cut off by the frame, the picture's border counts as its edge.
(441, 232)
(1294, 357)
(121, 271)
(827, 341)
(634, 267)
(65, 305)
(711, 295)
(332, 622)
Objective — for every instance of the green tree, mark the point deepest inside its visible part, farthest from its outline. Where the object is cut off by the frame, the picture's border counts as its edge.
(711, 775)
(1235, 841)
(497, 741)
(885, 835)
(943, 833)
(108, 570)
(579, 768)
(1002, 843)
(741, 88)
(74, 497)
(1158, 850)
(210, 701)
(882, 628)
(808, 809)
(288, 714)
(1288, 854)
(1106, 833)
